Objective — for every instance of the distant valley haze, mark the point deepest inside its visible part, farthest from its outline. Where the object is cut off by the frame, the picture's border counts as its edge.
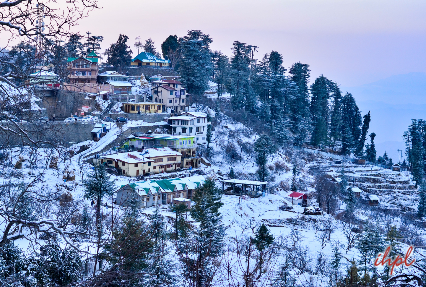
(393, 102)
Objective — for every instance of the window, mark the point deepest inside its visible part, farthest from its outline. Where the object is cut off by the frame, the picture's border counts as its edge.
(198, 121)
(175, 101)
(197, 129)
(136, 165)
(171, 93)
(154, 167)
(190, 130)
(170, 101)
(158, 159)
(132, 107)
(123, 163)
(109, 161)
(183, 101)
(184, 130)
(158, 107)
(149, 164)
(171, 159)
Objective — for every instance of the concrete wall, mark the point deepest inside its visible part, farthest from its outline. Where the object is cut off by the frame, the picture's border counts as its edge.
(46, 133)
(149, 118)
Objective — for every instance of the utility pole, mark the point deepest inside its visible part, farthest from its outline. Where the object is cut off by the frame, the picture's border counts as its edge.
(400, 158)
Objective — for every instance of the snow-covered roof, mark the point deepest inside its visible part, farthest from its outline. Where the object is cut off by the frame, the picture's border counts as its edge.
(181, 199)
(373, 197)
(185, 118)
(250, 182)
(120, 84)
(197, 114)
(157, 152)
(168, 185)
(128, 157)
(111, 74)
(356, 189)
(43, 74)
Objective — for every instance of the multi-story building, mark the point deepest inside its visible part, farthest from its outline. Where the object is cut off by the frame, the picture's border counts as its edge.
(190, 124)
(155, 160)
(83, 70)
(183, 144)
(148, 59)
(170, 93)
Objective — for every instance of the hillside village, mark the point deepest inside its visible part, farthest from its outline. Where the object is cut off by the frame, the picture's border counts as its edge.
(195, 169)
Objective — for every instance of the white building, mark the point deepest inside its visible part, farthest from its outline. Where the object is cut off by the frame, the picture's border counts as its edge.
(190, 124)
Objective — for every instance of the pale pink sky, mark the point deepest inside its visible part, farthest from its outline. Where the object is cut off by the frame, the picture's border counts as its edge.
(349, 41)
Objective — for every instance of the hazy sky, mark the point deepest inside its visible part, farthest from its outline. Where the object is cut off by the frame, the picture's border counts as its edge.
(349, 41)
(352, 42)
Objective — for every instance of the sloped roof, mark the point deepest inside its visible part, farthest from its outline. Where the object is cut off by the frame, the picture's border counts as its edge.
(93, 60)
(297, 195)
(92, 54)
(149, 58)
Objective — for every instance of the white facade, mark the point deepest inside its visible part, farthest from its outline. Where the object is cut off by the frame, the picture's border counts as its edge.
(190, 124)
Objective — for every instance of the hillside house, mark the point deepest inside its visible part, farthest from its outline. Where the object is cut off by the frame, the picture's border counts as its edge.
(164, 159)
(155, 160)
(83, 70)
(99, 130)
(128, 163)
(118, 84)
(170, 93)
(150, 193)
(190, 124)
(148, 59)
(183, 144)
(143, 108)
(373, 200)
(299, 198)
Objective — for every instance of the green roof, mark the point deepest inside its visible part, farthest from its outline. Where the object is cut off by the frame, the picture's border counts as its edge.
(92, 54)
(93, 60)
(166, 185)
(148, 57)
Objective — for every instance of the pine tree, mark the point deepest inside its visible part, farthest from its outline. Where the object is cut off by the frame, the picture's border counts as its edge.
(298, 102)
(98, 185)
(421, 208)
(263, 238)
(351, 122)
(170, 48)
(93, 43)
(56, 266)
(195, 63)
(119, 53)
(179, 210)
(160, 268)
(239, 85)
(208, 239)
(149, 47)
(369, 245)
(364, 130)
(350, 204)
(221, 71)
(284, 277)
(335, 264)
(336, 114)
(370, 152)
(231, 174)
(129, 252)
(263, 148)
(74, 47)
(320, 110)
(415, 149)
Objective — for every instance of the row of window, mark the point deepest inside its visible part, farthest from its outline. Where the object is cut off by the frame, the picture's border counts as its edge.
(176, 101)
(82, 73)
(80, 65)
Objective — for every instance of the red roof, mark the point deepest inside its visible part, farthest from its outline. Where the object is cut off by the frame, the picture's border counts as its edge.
(168, 88)
(298, 195)
(172, 82)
